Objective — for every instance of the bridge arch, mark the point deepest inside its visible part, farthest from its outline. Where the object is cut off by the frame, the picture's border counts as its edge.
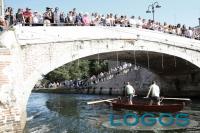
(84, 49)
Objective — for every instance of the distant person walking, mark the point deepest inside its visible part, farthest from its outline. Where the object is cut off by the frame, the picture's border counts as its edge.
(130, 92)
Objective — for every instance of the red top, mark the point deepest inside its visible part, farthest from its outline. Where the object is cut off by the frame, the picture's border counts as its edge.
(27, 14)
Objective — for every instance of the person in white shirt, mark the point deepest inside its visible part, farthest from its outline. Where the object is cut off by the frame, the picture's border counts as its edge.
(112, 20)
(35, 18)
(130, 92)
(133, 22)
(139, 22)
(155, 93)
(190, 32)
(108, 22)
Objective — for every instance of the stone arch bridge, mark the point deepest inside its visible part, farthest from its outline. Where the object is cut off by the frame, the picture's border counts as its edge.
(27, 53)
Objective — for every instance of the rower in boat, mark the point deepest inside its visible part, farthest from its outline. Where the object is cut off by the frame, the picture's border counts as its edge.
(130, 92)
(155, 93)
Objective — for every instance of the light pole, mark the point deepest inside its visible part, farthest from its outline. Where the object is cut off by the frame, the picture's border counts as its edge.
(1, 7)
(199, 21)
(152, 7)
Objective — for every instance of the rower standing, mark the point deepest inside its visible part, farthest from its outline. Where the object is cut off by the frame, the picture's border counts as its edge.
(130, 91)
(155, 93)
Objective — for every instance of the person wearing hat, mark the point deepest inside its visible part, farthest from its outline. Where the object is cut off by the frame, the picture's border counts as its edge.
(130, 92)
(28, 16)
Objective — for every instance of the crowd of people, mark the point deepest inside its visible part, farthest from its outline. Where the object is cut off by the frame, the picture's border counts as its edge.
(82, 83)
(63, 84)
(104, 76)
(73, 83)
(39, 84)
(56, 17)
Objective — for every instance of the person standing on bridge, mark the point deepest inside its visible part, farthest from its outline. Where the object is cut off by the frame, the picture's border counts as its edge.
(130, 91)
(28, 16)
(155, 93)
(56, 15)
(48, 17)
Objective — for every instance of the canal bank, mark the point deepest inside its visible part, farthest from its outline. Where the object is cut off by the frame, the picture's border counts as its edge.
(56, 90)
(117, 92)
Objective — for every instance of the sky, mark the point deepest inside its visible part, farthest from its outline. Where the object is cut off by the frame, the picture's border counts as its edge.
(172, 11)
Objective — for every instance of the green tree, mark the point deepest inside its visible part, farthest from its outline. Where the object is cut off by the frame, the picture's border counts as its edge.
(98, 66)
(76, 70)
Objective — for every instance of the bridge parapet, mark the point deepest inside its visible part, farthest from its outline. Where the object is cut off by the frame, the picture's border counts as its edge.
(40, 35)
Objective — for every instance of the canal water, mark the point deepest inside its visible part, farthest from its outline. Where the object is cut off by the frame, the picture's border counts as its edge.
(68, 113)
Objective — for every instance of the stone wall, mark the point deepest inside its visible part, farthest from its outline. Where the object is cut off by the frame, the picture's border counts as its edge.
(178, 85)
(184, 85)
(139, 79)
(10, 111)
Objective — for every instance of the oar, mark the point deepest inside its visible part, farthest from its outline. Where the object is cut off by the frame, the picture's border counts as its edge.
(181, 99)
(100, 101)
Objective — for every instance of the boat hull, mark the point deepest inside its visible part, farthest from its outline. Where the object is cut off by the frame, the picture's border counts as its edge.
(143, 107)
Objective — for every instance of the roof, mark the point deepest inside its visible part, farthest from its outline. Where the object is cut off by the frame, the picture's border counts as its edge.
(197, 27)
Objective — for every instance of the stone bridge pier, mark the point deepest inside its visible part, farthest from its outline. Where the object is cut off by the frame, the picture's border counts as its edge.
(28, 53)
(12, 95)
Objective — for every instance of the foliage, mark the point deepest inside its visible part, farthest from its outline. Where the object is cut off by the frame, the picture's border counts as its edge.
(80, 69)
(98, 66)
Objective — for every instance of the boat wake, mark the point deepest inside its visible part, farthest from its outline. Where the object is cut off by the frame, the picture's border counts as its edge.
(34, 116)
(40, 129)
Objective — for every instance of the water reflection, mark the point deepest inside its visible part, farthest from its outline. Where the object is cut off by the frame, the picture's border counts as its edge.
(63, 106)
(57, 113)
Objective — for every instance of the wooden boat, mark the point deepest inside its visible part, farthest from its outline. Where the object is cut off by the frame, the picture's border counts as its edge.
(168, 105)
(145, 107)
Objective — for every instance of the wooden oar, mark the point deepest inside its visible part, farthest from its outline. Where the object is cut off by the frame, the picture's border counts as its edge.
(181, 99)
(100, 101)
